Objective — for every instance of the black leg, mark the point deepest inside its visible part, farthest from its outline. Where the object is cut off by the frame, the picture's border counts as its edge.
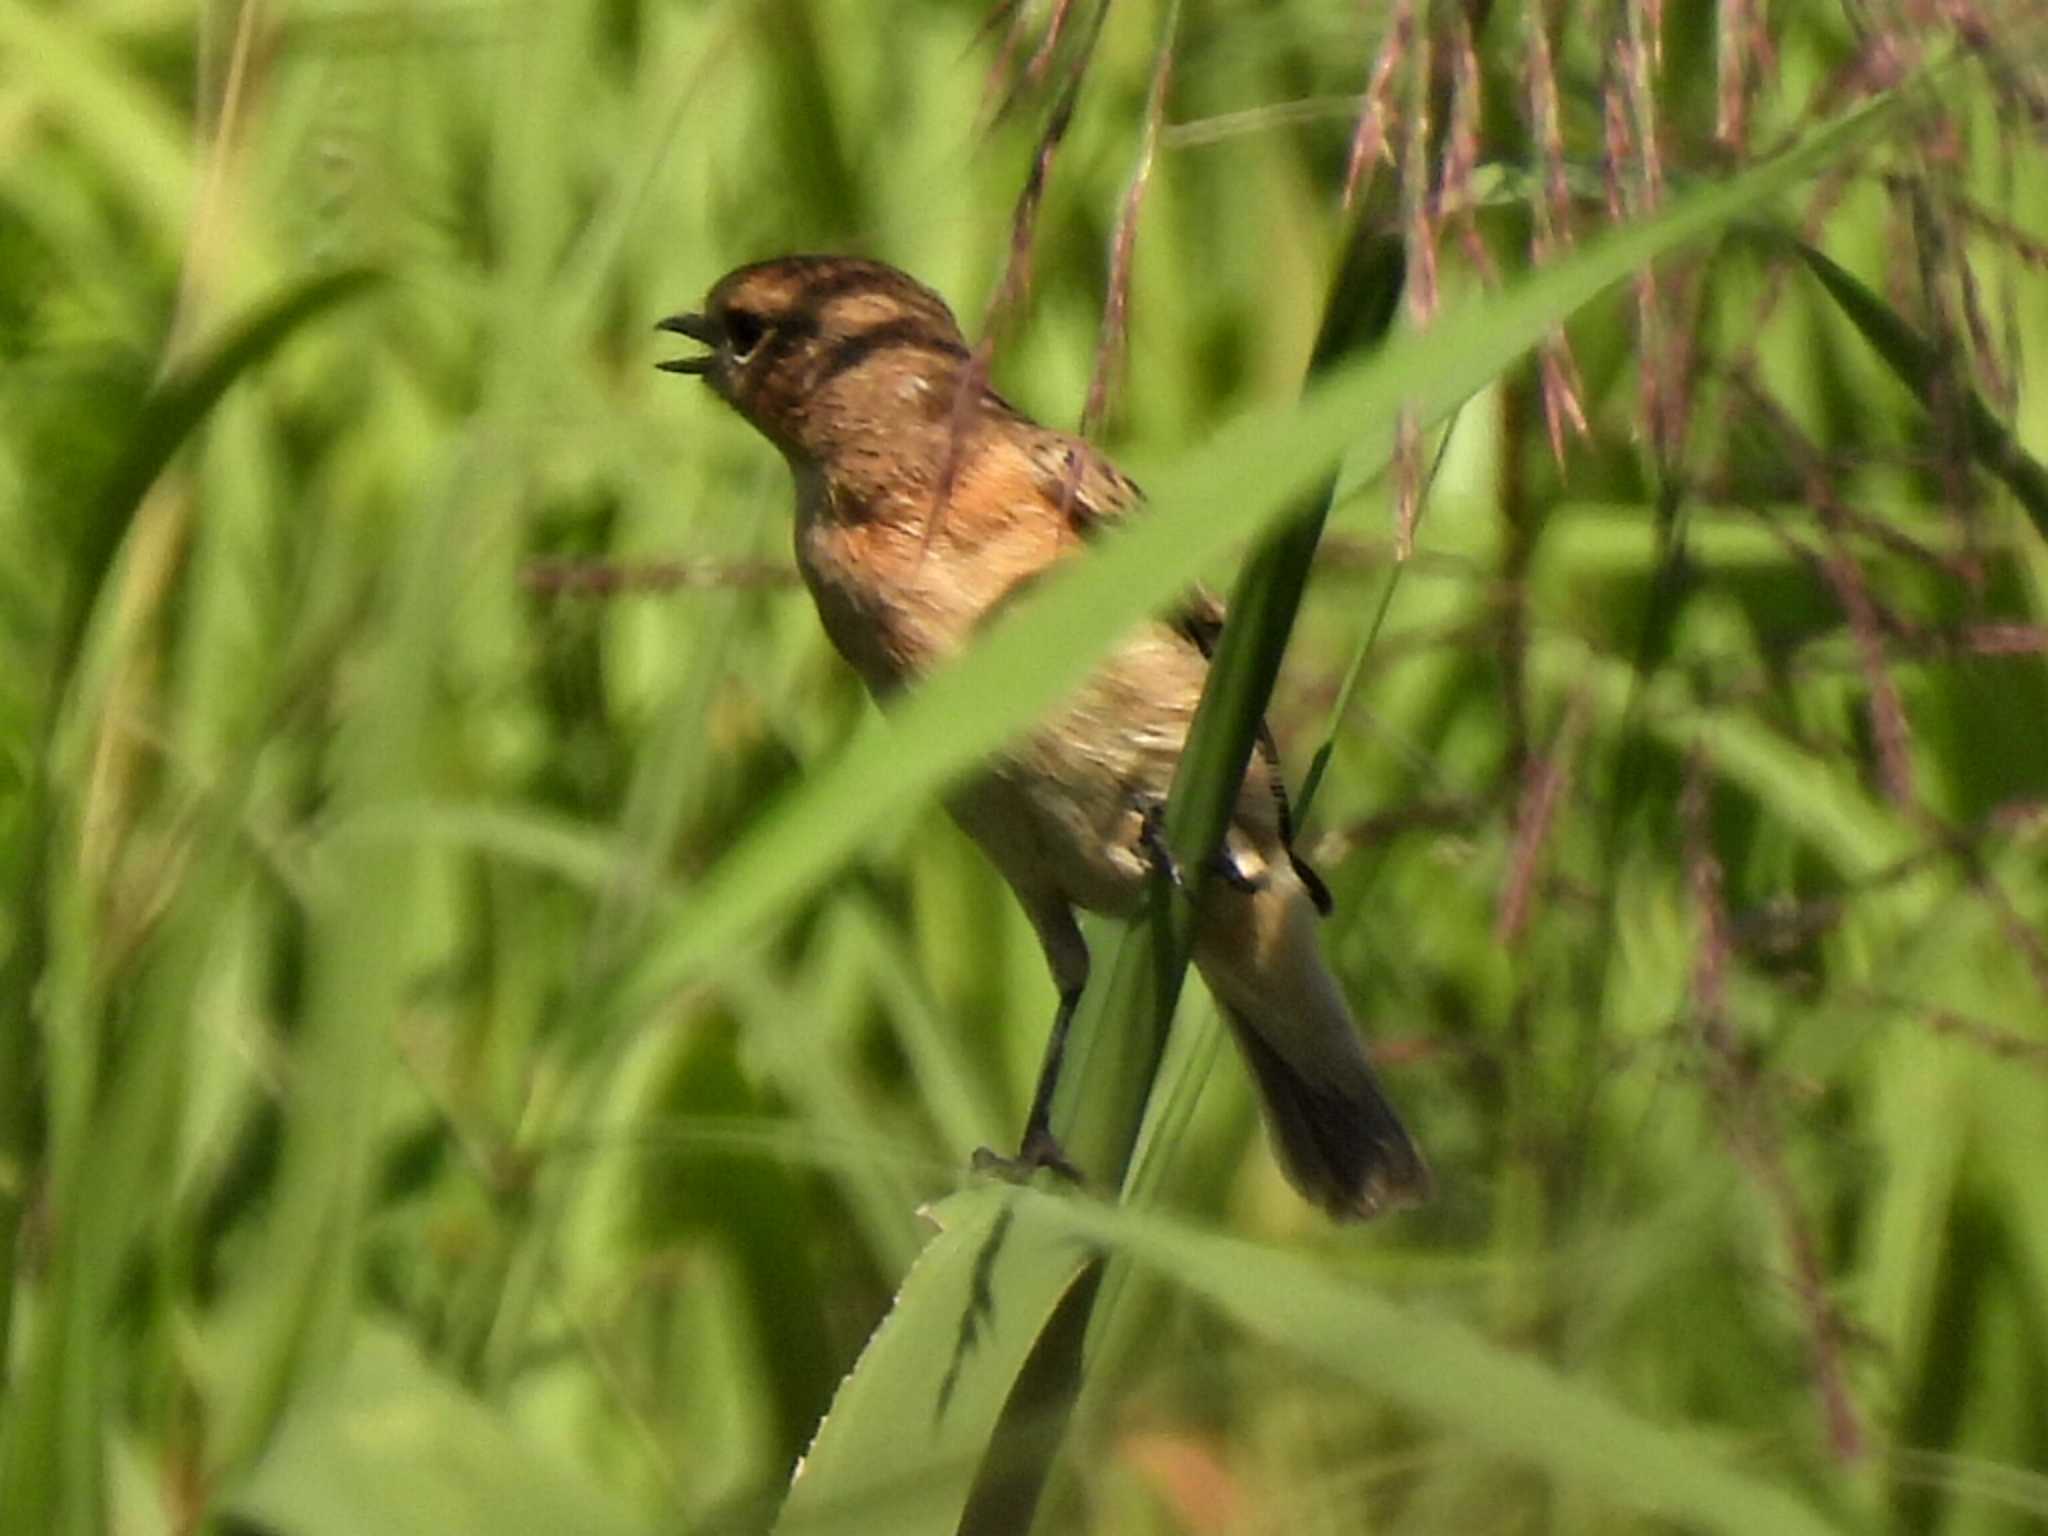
(1039, 1149)
(1066, 954)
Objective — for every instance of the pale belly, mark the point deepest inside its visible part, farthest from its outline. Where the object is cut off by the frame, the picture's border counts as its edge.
(1062, 811)
(1054, 837)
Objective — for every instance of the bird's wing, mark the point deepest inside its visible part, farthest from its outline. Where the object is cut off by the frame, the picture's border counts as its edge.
(1094, 494)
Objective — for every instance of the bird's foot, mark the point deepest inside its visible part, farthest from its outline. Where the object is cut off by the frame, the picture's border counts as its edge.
(1152, 838)
(1039, 1150)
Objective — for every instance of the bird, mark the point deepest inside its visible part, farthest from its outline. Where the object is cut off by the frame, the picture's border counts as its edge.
(925, 502)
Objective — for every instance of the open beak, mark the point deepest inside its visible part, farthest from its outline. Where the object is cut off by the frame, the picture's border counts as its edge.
(697, 328)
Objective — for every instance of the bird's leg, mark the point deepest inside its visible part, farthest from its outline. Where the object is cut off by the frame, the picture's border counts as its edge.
(1223, 864)
(1067, 954)
(1039, 1149)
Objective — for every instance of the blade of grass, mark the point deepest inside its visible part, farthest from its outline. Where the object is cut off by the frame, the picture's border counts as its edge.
(1439, 1369)
(133, 133)
(1918, 366)
(1354, 672)
(910, 1427)
(388, 1444)
(1822, 803)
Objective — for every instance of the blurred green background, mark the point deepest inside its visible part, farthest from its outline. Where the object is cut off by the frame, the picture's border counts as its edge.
(1686, 826)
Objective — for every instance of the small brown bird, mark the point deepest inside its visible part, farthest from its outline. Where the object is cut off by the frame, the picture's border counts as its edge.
(923, 502)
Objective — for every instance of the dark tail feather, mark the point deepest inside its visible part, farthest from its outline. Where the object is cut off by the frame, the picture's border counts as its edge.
(1341, 1145)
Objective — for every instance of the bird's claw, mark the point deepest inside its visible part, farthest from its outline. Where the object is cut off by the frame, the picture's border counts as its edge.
(1152, 838)
(1039, 1150)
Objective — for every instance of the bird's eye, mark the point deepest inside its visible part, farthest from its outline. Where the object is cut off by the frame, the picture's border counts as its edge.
(743, 332)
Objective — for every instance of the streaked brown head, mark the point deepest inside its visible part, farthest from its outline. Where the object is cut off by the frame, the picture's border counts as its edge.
(815, 350)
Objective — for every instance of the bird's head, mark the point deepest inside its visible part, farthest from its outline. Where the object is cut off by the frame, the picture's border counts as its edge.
(819, 351)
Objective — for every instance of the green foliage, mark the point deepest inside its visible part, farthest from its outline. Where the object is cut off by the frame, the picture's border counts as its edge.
(473, 1052)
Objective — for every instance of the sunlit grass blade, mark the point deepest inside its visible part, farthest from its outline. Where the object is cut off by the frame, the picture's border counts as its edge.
(386, 1442)
(910, 1428)
(1493, 1397)
(112, 107)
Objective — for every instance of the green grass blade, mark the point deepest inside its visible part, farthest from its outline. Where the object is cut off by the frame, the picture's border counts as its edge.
(1919, 367)
(908, 1431)
(1441, 1370)
(113, 109)
(385, 1443)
